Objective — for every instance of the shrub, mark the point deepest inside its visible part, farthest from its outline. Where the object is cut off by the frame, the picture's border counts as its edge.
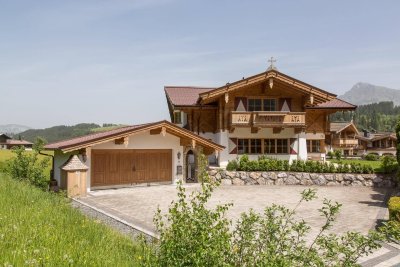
(192, 234)
(338, 155)
(28, 167)
(232, 165)
(371, 157)
(330, 154)
(394, 208)
(389, 164)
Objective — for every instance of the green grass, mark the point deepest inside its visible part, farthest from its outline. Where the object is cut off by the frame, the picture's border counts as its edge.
(41, 229)
(374, 164)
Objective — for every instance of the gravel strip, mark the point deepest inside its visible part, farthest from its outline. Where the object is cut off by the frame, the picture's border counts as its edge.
(124, 229)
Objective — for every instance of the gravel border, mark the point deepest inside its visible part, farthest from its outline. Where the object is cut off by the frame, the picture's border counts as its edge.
(115, 224)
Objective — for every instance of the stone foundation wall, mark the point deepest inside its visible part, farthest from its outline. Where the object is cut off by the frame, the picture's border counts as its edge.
(302, 178)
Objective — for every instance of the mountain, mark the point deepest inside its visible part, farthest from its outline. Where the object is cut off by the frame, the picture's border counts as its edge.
(13, 128)
(62, 132)
(365, 93)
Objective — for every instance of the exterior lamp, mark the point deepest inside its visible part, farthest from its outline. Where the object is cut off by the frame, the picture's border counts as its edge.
(271, 82)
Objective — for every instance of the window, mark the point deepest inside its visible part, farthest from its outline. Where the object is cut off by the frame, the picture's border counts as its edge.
(243, 146)
(269, 104)
(255, 105)
(255, 146)
(282, 146)
(313, 146)
(269, 146)
(177, 117)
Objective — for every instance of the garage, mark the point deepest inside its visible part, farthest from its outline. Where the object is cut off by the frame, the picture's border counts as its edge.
(146, 154)
(130, 166)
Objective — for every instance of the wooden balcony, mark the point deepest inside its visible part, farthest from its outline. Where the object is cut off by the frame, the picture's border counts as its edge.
(268, 119)
(345, 142)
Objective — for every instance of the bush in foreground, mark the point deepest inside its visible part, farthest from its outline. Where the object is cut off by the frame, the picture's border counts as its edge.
(192, 234)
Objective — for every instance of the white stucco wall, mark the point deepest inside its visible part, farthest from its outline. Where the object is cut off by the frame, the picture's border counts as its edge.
(138, 141)
(300, 143)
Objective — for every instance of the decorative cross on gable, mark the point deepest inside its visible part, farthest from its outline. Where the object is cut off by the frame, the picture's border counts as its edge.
(272, 60)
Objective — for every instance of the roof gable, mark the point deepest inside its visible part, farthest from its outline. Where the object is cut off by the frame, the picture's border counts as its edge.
(338, 127)
(98, 138)
(302, 87)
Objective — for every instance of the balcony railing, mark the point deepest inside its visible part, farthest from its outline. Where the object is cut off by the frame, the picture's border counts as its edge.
(345, 142)
(268, 118)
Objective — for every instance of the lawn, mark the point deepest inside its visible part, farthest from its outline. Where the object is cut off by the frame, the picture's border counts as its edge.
(374, 164)
(41, 229)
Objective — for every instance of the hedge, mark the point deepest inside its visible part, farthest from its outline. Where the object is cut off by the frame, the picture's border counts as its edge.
(269, 164)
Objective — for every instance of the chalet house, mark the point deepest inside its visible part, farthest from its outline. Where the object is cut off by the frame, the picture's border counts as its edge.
(6, 142)
(377, 143)
(343, 137)
(269, 113)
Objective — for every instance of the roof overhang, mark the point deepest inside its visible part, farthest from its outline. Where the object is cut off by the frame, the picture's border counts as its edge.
(318, 94)
(168, 126)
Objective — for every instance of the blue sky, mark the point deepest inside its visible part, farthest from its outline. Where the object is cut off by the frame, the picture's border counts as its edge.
(65, 62)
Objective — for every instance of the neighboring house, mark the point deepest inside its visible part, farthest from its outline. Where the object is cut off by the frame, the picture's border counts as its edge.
(343, 137)
(159, 152)
(6, 142)
(269, 114)
(377, 143)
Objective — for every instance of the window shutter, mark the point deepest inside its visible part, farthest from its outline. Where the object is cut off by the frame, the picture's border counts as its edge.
(292, 148)
(240, 104)
(233, 146)
(283, 107)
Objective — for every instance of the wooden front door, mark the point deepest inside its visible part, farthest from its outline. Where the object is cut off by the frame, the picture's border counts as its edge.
(130, 166)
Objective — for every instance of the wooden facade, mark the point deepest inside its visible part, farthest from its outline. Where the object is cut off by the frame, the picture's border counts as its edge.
(270, 105)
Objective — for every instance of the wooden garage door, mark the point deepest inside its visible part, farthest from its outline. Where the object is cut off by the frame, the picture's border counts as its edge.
(116, 167)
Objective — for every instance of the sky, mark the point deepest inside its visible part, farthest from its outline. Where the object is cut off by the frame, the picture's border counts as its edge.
(68, 62)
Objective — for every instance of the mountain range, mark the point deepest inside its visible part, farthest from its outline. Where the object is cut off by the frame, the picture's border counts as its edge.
(13, 129)
(365, 93)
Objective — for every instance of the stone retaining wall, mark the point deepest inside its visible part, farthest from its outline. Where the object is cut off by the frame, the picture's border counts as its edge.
(301, 178)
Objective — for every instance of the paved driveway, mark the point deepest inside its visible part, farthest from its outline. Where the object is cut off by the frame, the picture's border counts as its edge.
(362, 208)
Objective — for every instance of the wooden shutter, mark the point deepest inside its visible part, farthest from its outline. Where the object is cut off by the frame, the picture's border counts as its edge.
(282, 101)
(233, 149)
(237, 101)
(292, 148)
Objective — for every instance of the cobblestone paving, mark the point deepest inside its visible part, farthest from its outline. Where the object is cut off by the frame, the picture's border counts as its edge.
(362, 207)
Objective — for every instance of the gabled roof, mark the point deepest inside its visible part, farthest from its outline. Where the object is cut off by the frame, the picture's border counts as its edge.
(377, 136)
(319, 94)
(337, 127)
(196, 96)
(6, 136)
(102, 137)
(334, 104)
(18, 142)
(184, 95)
